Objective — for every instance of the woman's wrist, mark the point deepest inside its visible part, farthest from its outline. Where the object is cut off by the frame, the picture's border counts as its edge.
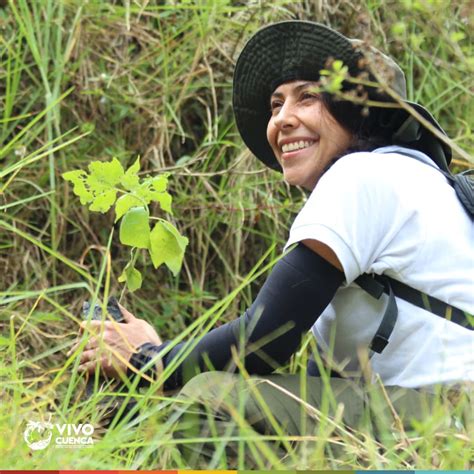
(147, 363)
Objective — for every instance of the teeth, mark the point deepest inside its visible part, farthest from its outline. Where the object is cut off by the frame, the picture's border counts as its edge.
(296, 146)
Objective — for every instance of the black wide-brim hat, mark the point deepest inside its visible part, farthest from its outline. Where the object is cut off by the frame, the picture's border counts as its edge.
(299, 50)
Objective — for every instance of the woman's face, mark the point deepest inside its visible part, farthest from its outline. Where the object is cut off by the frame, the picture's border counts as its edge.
(303, 134)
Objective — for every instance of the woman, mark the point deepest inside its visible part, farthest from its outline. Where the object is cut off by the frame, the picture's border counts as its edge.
(378, 205)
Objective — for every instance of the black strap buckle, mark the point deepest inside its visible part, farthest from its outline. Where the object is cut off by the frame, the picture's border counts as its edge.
(370, 285)
(378, 343)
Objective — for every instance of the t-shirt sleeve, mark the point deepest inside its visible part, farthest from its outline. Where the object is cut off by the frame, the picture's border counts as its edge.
(358, 210)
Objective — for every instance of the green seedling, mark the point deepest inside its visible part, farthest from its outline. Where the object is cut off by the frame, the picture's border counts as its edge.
(107, 184)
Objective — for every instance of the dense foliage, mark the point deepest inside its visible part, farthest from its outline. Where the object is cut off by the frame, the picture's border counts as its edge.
(85, 81)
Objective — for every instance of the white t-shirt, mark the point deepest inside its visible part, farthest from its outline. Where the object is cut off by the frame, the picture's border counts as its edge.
(383, 212)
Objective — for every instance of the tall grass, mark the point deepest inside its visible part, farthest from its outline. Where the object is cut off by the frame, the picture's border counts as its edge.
(82, 81)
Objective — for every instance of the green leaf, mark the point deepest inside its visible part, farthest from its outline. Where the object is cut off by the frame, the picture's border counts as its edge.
(165, 200)
(143, 191)
(135, 229)
(457, 36)
(96, 185)
(160, 183)
(103, 201)
(158, 192)
(154, 190)
(100, 192)
(167, 246)
(84, 194)
(130, 180)
(109, 173)
(74, 176)
(77, 178)
(399, 28)
(124, 203)
(132, 277)
(337, 65)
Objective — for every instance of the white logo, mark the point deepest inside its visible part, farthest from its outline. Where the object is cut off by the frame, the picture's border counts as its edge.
(74, 436)
(38, 435)
(39, 427)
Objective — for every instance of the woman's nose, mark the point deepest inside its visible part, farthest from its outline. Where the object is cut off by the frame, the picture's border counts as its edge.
(286, 117)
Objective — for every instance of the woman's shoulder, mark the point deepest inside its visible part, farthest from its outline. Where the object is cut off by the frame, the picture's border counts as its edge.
(388, 169)
(381, 183)
(363, 171)
(379, 162)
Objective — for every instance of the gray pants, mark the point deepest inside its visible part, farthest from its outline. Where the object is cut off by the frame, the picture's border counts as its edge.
(263, 419)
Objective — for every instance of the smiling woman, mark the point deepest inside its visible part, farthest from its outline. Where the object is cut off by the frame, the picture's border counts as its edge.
(365, 215)
(304, 137)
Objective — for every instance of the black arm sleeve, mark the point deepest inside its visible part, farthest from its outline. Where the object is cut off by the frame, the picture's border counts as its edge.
(296, 292)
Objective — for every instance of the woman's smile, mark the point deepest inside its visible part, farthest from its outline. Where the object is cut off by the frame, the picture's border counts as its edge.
(293, 147)
(303, 135)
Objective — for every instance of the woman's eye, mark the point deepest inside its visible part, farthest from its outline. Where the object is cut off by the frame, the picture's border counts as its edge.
(309, 96)
(275, 104)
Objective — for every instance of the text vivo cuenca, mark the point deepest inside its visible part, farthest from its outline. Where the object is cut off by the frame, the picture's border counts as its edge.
(74, 435)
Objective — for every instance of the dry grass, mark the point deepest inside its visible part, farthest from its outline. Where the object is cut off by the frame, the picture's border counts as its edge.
(152, 79)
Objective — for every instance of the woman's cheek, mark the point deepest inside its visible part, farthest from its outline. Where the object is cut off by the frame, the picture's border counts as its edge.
(271, 135)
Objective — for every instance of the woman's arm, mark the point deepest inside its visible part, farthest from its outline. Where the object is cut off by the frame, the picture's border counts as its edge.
(296, 292)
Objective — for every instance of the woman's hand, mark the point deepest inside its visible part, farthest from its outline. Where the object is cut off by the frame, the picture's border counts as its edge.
(111, 344)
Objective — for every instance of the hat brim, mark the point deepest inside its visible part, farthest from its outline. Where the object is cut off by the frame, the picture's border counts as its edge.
(279, 53)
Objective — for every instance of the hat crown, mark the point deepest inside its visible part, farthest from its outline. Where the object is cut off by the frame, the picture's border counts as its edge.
(384, 66)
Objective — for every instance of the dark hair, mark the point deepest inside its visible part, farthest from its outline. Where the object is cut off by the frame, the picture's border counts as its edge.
(372, 127)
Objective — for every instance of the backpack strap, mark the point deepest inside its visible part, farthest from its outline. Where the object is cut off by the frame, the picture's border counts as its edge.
(375, 285)
(463, 183)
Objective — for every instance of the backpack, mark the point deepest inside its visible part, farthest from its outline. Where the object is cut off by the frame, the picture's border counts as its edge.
(376, 285)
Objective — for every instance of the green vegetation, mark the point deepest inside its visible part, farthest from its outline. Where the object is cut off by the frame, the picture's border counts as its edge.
(98, 189)
(100, 80)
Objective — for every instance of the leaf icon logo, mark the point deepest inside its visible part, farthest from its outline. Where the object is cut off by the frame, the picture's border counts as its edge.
(35, 430)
